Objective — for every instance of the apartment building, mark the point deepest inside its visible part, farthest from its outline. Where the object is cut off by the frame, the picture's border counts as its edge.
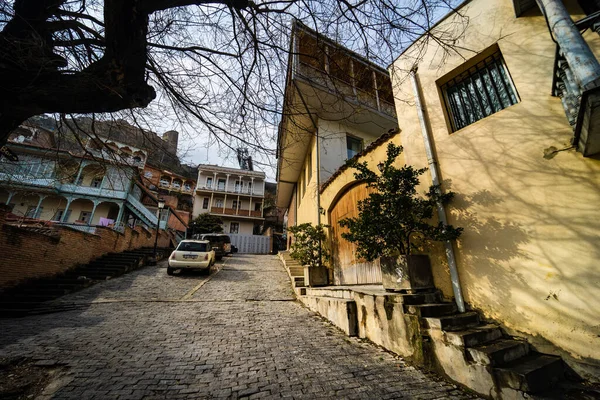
(235, 195)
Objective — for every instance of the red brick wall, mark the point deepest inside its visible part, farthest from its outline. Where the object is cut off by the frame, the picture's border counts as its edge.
(26, 254)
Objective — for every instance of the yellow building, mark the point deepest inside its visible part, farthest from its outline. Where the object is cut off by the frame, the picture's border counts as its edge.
(511, 114)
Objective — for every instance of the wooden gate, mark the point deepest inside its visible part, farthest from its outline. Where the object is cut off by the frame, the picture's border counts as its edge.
(348, 270)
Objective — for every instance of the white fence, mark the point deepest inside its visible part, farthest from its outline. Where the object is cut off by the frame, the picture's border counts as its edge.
(251, 244)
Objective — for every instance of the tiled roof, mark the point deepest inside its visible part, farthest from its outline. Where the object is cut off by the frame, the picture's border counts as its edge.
(372, 146)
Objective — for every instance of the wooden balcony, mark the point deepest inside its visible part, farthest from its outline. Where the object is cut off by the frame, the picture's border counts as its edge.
(232, 211)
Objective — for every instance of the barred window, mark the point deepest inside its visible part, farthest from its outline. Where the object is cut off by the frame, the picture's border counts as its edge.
(482, 90)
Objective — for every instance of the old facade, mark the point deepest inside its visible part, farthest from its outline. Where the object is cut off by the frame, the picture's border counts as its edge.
(336, 104)
(235, 195)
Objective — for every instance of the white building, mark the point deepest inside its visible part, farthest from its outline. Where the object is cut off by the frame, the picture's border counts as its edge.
(235, 195)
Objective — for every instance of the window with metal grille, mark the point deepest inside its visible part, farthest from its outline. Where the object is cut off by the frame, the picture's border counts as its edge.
(482, 90)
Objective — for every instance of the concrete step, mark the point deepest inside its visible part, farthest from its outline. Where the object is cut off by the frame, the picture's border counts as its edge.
(455, 322)
(299, 281)
(421, 298)
(430, 310)
(531, 374)
(474, 336)
(499, 352)
(338, 293)
(299, 271)
(340, 312)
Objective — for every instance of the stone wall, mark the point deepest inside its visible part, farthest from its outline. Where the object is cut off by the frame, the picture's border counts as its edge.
(28, 252)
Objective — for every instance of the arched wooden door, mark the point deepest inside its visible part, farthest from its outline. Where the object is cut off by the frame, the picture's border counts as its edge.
(348, 270)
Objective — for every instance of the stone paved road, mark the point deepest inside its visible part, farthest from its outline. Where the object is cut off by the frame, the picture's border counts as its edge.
(236, 334)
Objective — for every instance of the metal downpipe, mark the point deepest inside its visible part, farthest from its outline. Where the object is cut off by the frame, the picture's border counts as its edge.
(433, 169)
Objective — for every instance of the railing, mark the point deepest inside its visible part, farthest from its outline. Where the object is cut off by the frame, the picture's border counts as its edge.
(232, 211)
(248, 192)
(345, 89)
(149, 215)
(27, 180)
(92, 191)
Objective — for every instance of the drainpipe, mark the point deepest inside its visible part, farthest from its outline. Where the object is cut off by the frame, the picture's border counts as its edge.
(433, 169)
(575, 49)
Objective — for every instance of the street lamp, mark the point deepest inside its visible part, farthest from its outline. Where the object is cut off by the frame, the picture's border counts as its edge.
(161, 205)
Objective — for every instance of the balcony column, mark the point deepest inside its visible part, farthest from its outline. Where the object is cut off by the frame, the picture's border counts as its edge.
(237, 209)
(120, 214)
(262, 207)
(210, 206)
(39, 204)
(376, 91)
(225, 203)
(227, 182)
(65, 213)
(11, 194)
(250, 207)
(575, 49)
(214, 182)
(81, 166)
(93, 211)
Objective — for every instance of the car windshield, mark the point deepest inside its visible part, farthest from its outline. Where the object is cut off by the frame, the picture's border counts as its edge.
(191, 246)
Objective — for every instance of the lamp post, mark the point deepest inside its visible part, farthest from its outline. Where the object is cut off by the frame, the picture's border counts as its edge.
(161, 205)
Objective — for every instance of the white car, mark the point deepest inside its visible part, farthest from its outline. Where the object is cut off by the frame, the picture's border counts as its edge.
(192, 254)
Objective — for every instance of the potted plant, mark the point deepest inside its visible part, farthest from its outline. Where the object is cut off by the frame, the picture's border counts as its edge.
(393, 219)
(308, 250)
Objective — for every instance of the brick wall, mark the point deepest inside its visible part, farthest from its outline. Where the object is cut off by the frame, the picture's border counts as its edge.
(28, 253)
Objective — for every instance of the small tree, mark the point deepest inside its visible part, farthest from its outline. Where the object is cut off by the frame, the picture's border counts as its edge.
(307, 248)
(205, 223)
(393, 216)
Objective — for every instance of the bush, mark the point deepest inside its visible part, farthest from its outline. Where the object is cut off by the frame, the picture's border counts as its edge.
(393, 216)
(308, 248)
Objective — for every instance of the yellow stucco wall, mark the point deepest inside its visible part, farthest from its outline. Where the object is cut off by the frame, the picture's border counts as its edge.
(530, 249)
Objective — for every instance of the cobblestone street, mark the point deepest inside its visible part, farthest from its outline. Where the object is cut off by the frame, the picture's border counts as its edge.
(238, 333)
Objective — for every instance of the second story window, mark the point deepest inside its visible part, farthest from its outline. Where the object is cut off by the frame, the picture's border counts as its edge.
(209, 182)
(353, 146)
(205, 203)
(238, 186)
(482, 90)
(221, 184)
(96, 182)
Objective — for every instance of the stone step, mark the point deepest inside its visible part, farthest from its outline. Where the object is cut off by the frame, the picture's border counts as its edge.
(340, 312)
(497, 353)
(455, 322)
(430, 310)
(297, 271)
(338, 293)
(420, 298)
(474, 336)
(531, 374)
(299, 281)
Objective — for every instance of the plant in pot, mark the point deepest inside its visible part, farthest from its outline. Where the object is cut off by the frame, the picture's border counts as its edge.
(394, 222)
(309, 251)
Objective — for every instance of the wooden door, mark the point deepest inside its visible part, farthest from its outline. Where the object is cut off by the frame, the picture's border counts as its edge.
(348, 270)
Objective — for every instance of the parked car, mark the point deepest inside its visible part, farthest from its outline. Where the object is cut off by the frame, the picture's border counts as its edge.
(219, 241)
(192, 254)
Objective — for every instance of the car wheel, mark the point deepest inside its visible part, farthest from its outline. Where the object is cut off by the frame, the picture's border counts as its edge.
(169, 271)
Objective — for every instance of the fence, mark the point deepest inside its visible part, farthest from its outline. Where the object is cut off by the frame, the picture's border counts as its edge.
(251, 244)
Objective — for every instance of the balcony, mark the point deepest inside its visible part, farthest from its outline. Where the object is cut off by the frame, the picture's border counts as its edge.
(341, 87)
(230, 190)
(233, 211)
(91, 191)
